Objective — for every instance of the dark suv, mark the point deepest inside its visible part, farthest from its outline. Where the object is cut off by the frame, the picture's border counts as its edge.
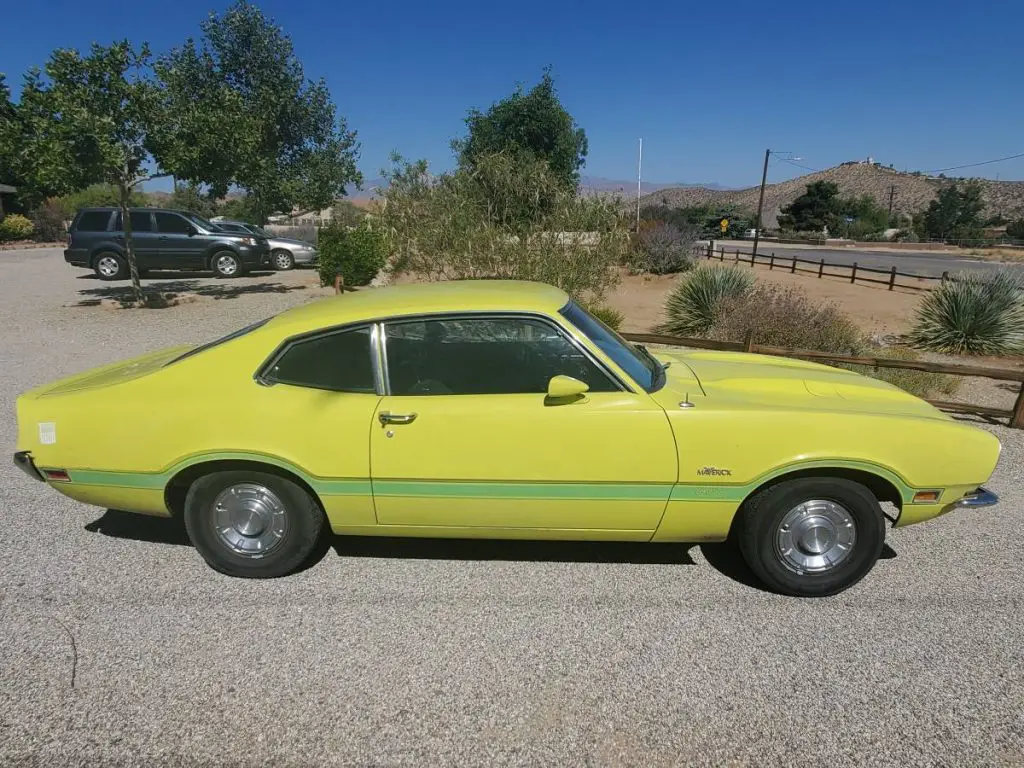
(164, 239)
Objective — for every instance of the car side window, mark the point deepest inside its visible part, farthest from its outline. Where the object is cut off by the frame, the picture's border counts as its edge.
(233, 228)
(336, 361)
(484, 356)
(172, 223)
(93, 221)
(140, 221)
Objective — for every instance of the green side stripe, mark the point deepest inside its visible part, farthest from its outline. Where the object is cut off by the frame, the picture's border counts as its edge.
(140, 480)
(554, 491)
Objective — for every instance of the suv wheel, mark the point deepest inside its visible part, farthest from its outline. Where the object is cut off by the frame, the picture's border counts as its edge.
(226, 264)
(110, 266)
(283, 260)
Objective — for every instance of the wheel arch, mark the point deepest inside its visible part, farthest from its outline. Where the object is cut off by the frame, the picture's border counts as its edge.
(177, 487)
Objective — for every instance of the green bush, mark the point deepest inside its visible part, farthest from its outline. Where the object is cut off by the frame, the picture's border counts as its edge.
(919, 383)
(49, 222)
(662, 249)
(972, 313)
(696, 303)
(786, 318)
(610, 317)
(14, 226)
(98, 195)
(357, 254)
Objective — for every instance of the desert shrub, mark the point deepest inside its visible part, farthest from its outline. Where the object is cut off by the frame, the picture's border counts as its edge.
(906, 236)
(696, 303)
(663, 248)
(610, 317)
(100, 195)
(358, 254)
(14, 226)
(972, 313)
(786, 318)
(920, 383)
(506, 217)
(49, 222)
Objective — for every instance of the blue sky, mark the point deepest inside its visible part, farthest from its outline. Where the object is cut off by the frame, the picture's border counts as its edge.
(922, 85)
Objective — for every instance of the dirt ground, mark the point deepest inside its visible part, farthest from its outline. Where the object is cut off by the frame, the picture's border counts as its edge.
(641, 298)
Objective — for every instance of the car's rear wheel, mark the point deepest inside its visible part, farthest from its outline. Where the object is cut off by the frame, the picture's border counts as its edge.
(110, 266)
(252, 524)
(283, 260)
(813, 536)
(226, 264)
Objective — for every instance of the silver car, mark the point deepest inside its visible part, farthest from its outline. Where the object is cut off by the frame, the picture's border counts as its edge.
(285, 252)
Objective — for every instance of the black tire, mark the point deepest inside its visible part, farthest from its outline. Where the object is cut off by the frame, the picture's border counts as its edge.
(104, 262)
(760, 522)
(226, 264)
(282, 260)
(303, 527)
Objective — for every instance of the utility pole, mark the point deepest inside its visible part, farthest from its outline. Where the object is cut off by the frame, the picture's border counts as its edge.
(639, 168)
(892, 196)
(760, 202)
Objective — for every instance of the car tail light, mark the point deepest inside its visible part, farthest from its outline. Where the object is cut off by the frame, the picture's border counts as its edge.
(57, 475)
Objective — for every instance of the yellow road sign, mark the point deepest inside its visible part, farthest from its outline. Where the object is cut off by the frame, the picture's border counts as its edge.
(724, 224)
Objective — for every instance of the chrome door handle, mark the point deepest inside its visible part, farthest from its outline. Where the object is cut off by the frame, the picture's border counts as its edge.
(387, 417)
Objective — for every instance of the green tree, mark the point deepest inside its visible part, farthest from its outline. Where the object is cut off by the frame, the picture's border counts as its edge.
(1015, 229)
(532, 123)
(189, 196)
(101, 194)
(10, 136)
(868, 216)
(238, 208)
(955, 214)
(240, 112)
(815, 209)
(87, 120)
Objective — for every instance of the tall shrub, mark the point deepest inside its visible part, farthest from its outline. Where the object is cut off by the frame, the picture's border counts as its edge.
(357, 254)
(972, 313)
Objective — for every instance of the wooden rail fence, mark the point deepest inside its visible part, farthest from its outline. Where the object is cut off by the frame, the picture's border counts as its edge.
(792, 264)
(1014, 416)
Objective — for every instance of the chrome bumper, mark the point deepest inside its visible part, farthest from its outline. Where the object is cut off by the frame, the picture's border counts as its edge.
(23, 461)
(979, 498)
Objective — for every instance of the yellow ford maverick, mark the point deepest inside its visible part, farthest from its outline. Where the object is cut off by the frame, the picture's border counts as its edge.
(494, 409)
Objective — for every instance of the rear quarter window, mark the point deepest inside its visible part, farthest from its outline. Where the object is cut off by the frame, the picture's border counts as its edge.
(93, 221)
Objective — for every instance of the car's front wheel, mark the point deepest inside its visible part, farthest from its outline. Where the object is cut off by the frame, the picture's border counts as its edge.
(252, 524)
(283, 260)
(813, 536)
(226, 264)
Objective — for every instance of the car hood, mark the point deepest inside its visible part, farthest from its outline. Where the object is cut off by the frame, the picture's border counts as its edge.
(289, 241)
(733, 379)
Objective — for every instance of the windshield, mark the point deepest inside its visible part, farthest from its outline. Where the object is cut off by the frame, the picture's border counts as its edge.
(636, 361)
(209, 226)
(258, 231)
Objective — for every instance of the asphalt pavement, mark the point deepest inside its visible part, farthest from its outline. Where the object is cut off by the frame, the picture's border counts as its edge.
(119, 646)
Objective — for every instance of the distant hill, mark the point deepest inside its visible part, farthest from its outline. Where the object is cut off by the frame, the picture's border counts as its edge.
(913, 192)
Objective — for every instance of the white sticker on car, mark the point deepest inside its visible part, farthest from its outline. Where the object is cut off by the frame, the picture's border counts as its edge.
(47, 432)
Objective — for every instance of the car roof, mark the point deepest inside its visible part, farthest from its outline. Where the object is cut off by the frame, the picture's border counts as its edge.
(422, 298)
(138, 208)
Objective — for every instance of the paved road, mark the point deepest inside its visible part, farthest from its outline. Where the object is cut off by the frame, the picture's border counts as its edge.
(460, 654)
(910, 262)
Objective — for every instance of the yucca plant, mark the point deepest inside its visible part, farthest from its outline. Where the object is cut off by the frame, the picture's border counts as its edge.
(974, 314)
(695, 303)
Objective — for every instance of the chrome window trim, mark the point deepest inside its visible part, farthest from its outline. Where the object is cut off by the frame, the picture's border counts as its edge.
(282, 349)
(377, 359)
(491, 314)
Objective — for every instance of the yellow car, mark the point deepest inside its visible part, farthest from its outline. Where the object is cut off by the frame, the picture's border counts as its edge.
(495, 409)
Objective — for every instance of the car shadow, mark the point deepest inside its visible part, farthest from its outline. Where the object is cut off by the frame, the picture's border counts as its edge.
(181, 288)
(724, 557)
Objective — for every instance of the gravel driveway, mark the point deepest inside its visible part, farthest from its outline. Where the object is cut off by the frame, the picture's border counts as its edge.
(118, 646)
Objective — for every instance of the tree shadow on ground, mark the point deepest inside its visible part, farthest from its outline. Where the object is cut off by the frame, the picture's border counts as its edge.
(178, 289)
(723, 557)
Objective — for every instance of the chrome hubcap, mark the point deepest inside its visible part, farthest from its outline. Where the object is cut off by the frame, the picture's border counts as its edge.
(107, 266)
(250, 519)
(226, 265)
(284, 260)
(815, 536)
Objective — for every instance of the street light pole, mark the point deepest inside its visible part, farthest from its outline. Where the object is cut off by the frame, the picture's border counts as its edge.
(760, 202)
(639, 167)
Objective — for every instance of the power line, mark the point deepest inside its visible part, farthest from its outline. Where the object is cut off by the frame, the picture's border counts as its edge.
(805, 167)
(975, 165)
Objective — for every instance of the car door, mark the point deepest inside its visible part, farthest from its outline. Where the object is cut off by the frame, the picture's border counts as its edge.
(465, 437)
(144, 239)
(181, 247)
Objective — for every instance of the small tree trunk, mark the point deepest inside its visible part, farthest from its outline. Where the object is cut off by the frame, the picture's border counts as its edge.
(129, 244)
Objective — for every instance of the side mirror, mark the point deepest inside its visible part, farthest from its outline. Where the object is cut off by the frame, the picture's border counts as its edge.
(565, 389)
(192, 232)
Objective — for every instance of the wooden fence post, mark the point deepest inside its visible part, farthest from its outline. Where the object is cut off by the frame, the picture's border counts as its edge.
(737, 256)
(945, 276)
(771, 262)
(711, 248)
(792, 269)
(751, 259)
(853, 274)
(892, 278)
(721, 254)
(1017, 419)
(821, 268)
(748, 341)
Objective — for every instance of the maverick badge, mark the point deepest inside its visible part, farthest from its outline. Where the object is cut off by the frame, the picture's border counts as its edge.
(703, 471)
